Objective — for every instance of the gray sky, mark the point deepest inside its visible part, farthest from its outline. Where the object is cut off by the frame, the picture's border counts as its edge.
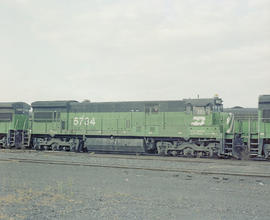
(111, 50)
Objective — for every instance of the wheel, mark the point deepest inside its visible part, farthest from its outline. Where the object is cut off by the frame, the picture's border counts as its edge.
(188, 152)
(55, 146)
(161, 151)
(199, 154)
(266, 154)
(173, 153)
(36, 146)
(211, 153)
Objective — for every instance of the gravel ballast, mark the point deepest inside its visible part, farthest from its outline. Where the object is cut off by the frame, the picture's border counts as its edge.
(48, 191)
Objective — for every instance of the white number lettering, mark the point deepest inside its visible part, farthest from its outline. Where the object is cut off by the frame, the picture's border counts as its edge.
(75, 121)
(86, 121)
(93, 122)
(83, 121)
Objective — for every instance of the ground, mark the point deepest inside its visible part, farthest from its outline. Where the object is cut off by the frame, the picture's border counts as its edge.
(49, 191)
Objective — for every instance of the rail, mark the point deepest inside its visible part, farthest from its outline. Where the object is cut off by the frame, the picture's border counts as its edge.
(144, 168)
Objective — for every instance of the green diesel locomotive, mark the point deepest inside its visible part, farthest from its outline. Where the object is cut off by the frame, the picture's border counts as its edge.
(14, 121)
(191, 127)
(188, 127)
(264, 125)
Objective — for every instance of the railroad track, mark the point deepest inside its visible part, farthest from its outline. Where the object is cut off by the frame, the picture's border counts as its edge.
(117, 156)
(144, 157)
(133, 167)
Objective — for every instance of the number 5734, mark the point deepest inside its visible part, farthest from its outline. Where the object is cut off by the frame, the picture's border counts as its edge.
(77, 121)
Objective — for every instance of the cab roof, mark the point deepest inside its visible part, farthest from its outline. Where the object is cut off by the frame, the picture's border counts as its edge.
(14, 105)
(52, 104)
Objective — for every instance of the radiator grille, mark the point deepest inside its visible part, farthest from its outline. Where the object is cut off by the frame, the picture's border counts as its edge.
(5, 116)
(43, 116)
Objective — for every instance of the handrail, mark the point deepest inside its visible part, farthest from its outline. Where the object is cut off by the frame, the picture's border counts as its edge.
(16, 125)
(24, 124)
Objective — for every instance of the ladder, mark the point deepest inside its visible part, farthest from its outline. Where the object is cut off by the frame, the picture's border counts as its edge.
(11, 138)
(254, 147)
(26, 138)
(228, 145)
(253, 141)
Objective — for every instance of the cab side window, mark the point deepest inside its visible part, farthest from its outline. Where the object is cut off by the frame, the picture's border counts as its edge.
(188, 108)
(151, 108)
(208, 109)
(198, 110)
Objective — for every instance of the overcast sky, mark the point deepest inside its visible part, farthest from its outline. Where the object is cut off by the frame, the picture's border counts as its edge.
(111, 50)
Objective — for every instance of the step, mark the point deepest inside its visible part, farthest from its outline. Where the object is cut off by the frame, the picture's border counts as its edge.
(253, 153)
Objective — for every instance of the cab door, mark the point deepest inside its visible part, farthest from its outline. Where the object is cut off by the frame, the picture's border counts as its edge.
(153, 119)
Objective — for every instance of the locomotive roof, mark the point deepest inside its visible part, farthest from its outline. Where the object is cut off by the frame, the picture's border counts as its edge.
(264, 101)
(200, 102)
(263, 98)
(241, 109)
(243, 113)
(122, 106)
(52, 104)
(138, 106)
(14, 105)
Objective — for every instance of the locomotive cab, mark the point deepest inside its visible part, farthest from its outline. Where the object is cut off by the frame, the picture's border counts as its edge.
(218, 106)
(204, 106)
(14, 124)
